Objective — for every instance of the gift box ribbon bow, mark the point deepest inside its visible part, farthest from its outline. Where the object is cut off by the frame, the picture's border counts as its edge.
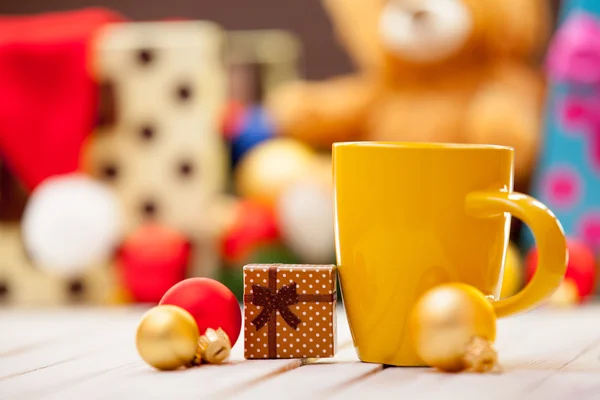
(279, 301)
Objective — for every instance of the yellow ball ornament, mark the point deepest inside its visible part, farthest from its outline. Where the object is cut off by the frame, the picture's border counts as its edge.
(271, 167)
(167, 337)
(567, 295)
(513, 272)
(453, 328)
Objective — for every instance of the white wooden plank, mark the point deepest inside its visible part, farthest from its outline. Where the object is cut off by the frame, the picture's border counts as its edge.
(317, 376)
(569, 385)
(313, 380)
(577, 379)
(139, 380)
(67, 341)
(26, 328)
(547, 354)
(60, 376)
(345, 353)
(531, 348)
(120, 329)
(116, 371)
(134, 379)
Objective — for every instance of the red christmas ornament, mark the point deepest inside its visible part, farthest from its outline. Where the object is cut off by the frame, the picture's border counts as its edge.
(211, 304)
(151, 260)
(581, 268)
(255, 224)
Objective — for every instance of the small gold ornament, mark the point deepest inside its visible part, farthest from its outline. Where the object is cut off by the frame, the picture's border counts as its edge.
(167, 337)
(215, 346)
(453, 328)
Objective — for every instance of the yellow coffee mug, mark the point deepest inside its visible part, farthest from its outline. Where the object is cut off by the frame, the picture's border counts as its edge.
(410, 216)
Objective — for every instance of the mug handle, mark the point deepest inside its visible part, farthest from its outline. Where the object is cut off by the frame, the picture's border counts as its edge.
(549, 236)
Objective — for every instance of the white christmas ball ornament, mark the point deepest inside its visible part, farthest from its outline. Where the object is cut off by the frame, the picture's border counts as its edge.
(305, 214)
(70, 223)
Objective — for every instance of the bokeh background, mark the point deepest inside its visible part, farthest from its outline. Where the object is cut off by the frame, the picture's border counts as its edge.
(251, 194)
(322, 56)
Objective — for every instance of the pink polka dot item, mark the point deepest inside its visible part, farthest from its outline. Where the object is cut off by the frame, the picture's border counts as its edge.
(291, 308)
(567, 174)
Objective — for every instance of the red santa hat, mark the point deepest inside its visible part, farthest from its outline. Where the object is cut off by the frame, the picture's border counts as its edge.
(48, 99)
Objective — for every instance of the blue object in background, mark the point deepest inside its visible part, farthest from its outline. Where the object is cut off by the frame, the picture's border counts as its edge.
(568, 6)
(567, 178)
(255, 128)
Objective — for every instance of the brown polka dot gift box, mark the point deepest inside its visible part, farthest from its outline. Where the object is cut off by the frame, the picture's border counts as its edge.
(289, 311)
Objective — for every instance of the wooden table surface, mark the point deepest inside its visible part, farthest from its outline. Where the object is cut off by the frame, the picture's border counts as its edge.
(90, 354)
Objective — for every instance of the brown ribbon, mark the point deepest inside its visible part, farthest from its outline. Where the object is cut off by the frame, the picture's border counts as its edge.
(272, 301)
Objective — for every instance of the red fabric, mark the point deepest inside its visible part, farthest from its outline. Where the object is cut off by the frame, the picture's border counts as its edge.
(47, 96)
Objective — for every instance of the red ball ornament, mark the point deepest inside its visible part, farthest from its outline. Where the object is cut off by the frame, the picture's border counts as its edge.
(151, 260)
(255, 224)
(581, 268)
(211, 304)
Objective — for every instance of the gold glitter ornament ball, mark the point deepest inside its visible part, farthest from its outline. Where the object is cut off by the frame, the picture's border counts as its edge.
(167, 337)
(453, 328)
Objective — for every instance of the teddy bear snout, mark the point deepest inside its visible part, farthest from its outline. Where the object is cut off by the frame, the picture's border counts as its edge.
(420, 17)
(426, 30)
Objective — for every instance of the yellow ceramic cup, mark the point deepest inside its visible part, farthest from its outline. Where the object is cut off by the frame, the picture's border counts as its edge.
(410, 216)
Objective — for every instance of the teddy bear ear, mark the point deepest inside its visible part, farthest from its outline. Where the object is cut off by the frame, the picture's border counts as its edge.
(518, 28)
(356, 27)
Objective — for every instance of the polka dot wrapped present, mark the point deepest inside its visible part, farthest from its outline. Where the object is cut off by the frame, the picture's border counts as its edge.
(289, 311)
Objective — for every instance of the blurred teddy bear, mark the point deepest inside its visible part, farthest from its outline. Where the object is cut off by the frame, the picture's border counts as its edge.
(429, 70)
